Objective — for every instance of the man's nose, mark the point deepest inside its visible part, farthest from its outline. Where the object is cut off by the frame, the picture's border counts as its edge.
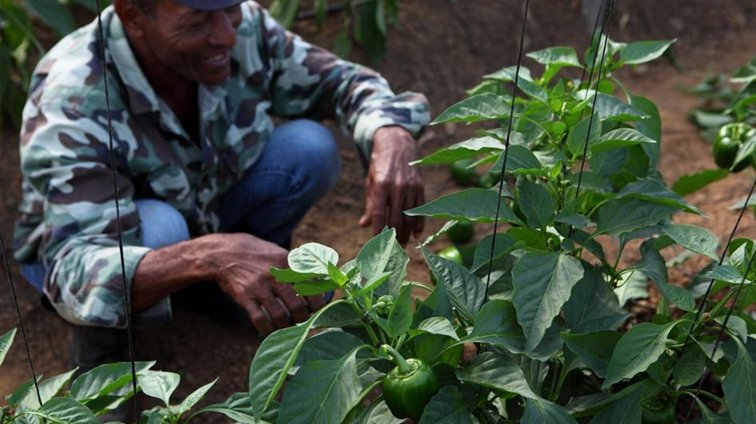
(223, 31)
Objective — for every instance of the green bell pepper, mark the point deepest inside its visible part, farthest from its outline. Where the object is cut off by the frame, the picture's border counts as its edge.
(729, 140)
(409, 387)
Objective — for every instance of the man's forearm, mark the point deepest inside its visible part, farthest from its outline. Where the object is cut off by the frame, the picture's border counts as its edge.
(167, 270)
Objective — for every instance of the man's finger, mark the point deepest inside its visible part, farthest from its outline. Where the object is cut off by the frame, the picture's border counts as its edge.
(396, 211)
(419, 220)
(278, 314)
(378, 212)
(315, 302)
(296, 305)
(259, 318)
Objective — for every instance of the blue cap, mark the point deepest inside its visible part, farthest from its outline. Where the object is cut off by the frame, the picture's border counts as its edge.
(208, 5)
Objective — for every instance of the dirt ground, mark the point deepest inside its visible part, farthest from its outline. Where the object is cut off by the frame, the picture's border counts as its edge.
(442, 48)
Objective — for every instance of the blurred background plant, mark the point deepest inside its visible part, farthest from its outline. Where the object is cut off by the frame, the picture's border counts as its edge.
(26, 26)
(365, 22)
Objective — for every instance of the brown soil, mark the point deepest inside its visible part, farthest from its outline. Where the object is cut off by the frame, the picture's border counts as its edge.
(442, 48)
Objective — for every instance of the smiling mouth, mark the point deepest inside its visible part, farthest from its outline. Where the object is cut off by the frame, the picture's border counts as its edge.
(220, 59)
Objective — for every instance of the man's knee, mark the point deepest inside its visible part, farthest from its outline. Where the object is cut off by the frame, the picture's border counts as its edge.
(162, 224)
(312, 149)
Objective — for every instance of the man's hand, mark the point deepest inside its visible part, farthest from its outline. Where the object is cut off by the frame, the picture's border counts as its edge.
(393, 185)
(239, 263)
(244, 274)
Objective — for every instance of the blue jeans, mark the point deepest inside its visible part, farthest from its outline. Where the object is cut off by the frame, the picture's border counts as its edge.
(298, 166)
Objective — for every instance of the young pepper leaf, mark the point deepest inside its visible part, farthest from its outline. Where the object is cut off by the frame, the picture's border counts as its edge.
(637, 350)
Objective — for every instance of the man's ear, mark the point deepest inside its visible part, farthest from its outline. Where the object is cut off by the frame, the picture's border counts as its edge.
(131, 16)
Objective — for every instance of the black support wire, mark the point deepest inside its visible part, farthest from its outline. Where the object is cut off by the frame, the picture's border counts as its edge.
(506, 143)
(116, 189)
(702, 305)
(603, 35)
(20, 316)
(705, 297)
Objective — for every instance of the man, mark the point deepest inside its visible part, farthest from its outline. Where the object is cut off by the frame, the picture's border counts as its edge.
(209, 190)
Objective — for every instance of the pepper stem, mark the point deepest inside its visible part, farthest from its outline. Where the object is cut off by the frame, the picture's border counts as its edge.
(404, 367)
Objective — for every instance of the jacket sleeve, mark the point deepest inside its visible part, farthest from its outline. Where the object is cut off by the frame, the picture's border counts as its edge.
(65, 158)
(307, 80)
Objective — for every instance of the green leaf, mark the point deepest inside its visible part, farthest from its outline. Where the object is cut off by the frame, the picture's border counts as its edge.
(621, 137)
(503, 244)
(653, 190)
(380, 255)
(400, 316)
(740, 388)
(448, 406)
(688, 184)
(63, 410)
(47, 389)
(643, 51)
(746, 73)
(320, 8)
(312, 258)
(465, 290)
(463, 150)
(285, 11)
(342, 45)
(690, 367)
(375, 413)
(274, 359)
(519, 159)
(627, 214)
(708, 417)
(594, 349)
(523, 83)
(6, 340)
(577, 136)
(693, 238)
(540, 411)
(592, 305)
(237, 407)
(727, 274)
(106, 379)
(632, 285)
(653, 265)
(507, 74)
(498, 372)
(536, 203)
(651, 127)
(21, 393)
(322, 391)
(559, 55)
(611, 108)
(291, 276)
(159, 384)
(542, 284)
(194, 397)
(480, 107)
(625, 410)
(330, 344)
(496, 324)
(315, 287)
(54, 14)
(440, 326)
(637, 350)
(475, 204)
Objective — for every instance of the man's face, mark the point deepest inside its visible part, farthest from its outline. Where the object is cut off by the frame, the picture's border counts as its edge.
(192, 43)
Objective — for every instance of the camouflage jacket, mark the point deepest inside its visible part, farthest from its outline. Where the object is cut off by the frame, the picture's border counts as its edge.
(68, 212)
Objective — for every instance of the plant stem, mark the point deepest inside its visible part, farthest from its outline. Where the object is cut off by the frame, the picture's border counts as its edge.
(404, 367)
(694, 392)
(369, 328)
